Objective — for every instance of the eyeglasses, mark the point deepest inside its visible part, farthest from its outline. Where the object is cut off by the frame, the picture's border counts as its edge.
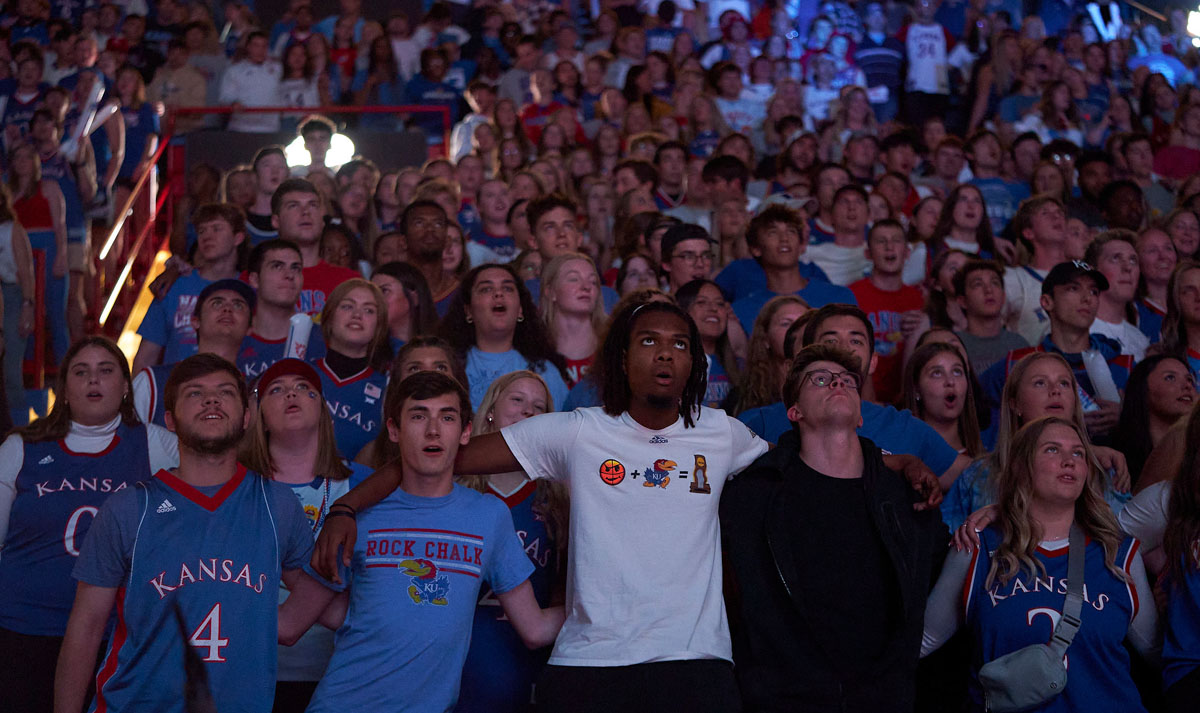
(823, 378)
(693, 258)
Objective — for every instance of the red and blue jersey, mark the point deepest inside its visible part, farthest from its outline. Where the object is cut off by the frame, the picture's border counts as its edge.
(156, 385)
(59, 492)
(356, 405)
(216, 553)
(1119, 365)
(1025, 609)
(258, 354)
(500, 670)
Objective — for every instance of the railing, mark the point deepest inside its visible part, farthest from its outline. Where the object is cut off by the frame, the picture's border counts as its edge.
(121, 294)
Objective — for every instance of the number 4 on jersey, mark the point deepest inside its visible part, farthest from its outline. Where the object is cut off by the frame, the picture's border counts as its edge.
(212, 640)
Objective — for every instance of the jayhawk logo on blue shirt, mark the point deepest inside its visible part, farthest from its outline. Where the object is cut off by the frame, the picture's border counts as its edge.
(426, 584)
(659, 473)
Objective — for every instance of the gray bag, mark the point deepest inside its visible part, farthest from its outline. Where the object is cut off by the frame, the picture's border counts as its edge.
(1029, 677)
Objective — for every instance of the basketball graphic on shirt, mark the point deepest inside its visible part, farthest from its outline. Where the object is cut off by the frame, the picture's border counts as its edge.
(612, 471)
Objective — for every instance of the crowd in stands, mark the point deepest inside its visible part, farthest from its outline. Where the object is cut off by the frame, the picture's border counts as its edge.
(757, 355)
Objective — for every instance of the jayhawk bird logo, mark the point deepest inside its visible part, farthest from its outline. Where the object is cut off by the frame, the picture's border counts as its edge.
(426, 584)
(659, 473)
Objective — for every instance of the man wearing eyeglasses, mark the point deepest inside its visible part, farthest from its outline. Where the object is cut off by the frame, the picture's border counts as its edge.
(830, 563)
(687, 254)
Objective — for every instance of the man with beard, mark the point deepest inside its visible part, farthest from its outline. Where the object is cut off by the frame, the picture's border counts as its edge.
(211, 540)
(423, 224)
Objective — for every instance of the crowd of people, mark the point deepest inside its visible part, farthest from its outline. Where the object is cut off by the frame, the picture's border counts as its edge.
(761, 356)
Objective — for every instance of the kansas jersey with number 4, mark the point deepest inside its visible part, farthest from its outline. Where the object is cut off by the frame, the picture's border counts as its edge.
(1024, 611)
(216, 553)
(59, 491)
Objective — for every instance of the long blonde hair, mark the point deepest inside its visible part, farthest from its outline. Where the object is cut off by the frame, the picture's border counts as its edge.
(550, 500)
(1022, 533)
(549, 308)
(255, 451)
(1010, 420)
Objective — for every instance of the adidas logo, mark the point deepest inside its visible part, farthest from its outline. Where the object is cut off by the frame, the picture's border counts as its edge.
(46, 461)
(165, 507)
(658, 439)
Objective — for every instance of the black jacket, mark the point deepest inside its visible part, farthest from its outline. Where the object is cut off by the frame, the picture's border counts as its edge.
(778, 654)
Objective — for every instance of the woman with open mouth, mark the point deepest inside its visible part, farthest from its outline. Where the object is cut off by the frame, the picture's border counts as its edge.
(55, 474)
(1009, 593)
(938, 389)
(290, 440)
(494, 326)
(1040, 385)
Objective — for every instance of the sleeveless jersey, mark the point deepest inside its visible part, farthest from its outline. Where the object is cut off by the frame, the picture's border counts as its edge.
(56, 167)
(59, 492)
(258, 354)
(18, 112)
(500, 670)
(356, 404)
(1025, 610)
(158, 384)
(217, 559)
(927, 49)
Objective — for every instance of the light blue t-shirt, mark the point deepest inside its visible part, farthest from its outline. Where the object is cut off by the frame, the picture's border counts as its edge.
(485, 367)
(891, 429)
(168, 321)
(414, 581)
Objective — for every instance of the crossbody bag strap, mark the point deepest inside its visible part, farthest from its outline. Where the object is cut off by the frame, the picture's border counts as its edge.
(1068, 624)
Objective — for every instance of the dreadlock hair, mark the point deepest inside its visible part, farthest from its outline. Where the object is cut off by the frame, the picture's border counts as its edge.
(530, 338)
(615, 394)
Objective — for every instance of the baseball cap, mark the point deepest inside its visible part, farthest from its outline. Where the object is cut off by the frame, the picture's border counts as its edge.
(1064, 272)
(676, 234)
(246, 291)
(289, 367)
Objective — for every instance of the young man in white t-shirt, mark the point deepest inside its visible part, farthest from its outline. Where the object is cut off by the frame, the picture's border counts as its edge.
(1041, 222)
(645, 474)
(1114, 253)
(927, 45)
(646, 628)
(845, 259)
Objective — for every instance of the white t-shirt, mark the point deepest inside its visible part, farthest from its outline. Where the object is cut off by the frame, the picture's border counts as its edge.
(842, 265)
(1023, 303)
(644, 568)
(1133, 342)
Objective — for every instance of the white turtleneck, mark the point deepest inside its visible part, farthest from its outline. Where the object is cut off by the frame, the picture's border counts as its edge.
(162, 444)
